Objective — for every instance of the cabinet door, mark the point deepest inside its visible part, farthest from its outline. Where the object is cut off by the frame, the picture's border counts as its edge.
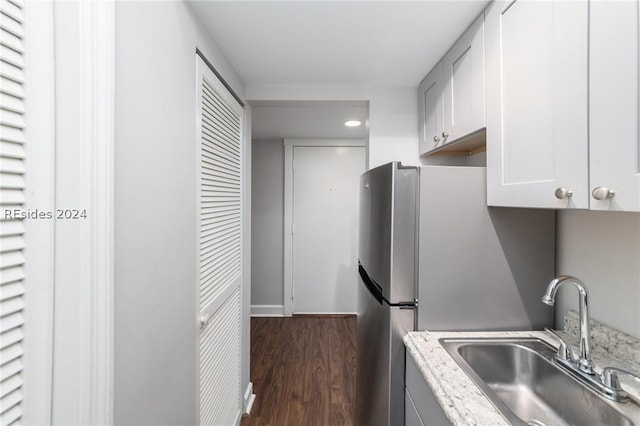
(411, 416)
(431, 110)
(428, 408)
(614, 160)
(537, 141)
(464, 89)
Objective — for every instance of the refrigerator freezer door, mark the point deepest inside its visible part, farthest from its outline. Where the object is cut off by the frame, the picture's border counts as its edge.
(376, 200)
(388, 229)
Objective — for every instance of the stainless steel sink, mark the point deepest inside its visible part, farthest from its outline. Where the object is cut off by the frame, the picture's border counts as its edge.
(520, 378)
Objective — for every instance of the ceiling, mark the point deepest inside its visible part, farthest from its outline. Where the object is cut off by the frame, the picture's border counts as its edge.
(363, 43)
(304, 120)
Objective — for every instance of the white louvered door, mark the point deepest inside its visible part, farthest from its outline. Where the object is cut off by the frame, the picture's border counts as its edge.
(12, 191)
(219, 135)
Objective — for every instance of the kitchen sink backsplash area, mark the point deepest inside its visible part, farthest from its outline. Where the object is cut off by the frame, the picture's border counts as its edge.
(605, 340)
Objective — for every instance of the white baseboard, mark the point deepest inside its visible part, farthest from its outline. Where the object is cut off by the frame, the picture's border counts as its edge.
(249, 398)
(267, 310)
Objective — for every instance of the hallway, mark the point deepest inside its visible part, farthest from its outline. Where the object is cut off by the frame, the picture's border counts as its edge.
(303, 371)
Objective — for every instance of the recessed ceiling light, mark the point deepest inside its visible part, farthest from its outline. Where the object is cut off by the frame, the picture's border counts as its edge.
(352, 123)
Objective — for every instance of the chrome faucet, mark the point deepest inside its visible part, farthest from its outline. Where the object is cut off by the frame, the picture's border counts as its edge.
(581, 367)
(583, 362)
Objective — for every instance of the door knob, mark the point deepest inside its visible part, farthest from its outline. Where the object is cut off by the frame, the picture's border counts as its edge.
(204, 320)
(445, 135)
(602, 193)
(563, 193)
(436, 138)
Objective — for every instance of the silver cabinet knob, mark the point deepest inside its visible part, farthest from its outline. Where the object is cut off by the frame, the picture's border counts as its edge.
(436, 139)
(563, 193)
(602, 193)
(445, 135)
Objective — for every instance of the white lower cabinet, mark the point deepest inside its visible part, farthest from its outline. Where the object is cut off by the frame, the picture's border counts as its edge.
(421, 406)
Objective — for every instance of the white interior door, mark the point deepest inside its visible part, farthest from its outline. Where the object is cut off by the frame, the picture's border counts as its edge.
(219, 207)
(325, 227)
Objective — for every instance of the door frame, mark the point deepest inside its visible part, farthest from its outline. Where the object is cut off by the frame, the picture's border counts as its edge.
(79, 257)
(289, 167)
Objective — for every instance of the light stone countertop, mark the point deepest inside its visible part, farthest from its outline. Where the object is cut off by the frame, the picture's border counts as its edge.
(461, 399)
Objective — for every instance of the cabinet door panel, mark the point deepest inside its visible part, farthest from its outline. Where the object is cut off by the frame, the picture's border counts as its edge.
(614, 96)
(427, 406)
(537, 125)
(431, 110)
(411, 416)
(464, 89)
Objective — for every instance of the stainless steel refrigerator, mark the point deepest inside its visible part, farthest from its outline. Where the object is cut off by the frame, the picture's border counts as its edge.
(433, 256)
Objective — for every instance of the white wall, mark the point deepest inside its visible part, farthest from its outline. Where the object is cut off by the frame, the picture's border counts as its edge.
(393, 115)
(603, 250)
(267, 246)
(155, 200)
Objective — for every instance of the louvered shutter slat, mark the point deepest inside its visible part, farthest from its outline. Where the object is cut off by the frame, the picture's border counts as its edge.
(11, 400)
(13, 9)
(12, 259)
(11, 181)
(11, 370)
(11, 416)
(9, 244)
(12, 196)
(12, 141)
(11, 306)
(10, 322)
(11, 165)
(9, 338)
(11, 103)
(11, 87)
(220, 217)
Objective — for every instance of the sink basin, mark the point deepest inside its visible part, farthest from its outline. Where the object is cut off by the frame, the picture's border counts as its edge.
(521, 380)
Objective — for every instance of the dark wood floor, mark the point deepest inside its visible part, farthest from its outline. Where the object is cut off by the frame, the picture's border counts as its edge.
(303, 371)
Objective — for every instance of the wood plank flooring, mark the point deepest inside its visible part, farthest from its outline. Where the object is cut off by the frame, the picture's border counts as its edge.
(303, 371)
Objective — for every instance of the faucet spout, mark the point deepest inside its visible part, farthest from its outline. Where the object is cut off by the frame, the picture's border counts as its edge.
(584, 362)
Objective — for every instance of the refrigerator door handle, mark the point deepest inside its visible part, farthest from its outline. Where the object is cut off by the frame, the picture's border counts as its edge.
(373, 287)
(376, 291)
(405, 305)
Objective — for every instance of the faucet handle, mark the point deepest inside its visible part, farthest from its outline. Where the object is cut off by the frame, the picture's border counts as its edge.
(564, 350)
(609, 377)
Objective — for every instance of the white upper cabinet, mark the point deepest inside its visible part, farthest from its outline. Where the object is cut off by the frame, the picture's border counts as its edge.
(431, 110)
(537, 123)
(451, 98)
(464, 84)
(614, 147)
